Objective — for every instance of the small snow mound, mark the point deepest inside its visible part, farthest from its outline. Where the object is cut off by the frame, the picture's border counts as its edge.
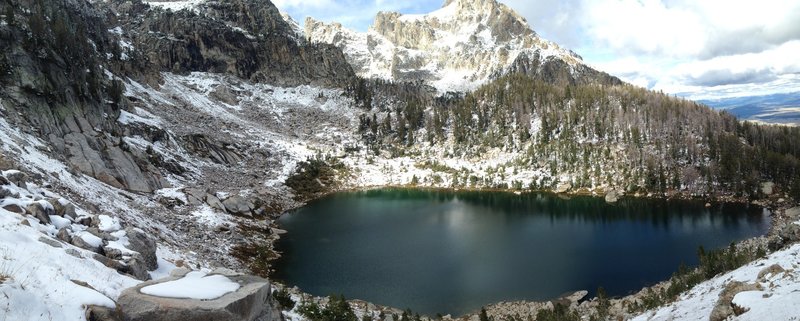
(59, 222)
(163, 270)
(108, 223)
(173, 193)
(208, 216)
(195, 285)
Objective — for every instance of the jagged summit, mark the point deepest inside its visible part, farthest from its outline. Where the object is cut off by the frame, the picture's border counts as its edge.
(455, 48)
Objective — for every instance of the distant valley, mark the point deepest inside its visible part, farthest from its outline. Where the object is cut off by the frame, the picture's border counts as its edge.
(781, 108)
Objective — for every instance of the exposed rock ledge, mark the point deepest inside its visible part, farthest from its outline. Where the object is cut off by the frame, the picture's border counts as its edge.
(251, 302)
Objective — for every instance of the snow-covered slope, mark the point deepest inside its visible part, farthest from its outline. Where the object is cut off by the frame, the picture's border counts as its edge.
(775, 294)
(51, 266)
(455, 48)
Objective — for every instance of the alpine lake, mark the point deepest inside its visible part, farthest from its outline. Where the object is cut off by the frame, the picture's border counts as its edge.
(452, 252)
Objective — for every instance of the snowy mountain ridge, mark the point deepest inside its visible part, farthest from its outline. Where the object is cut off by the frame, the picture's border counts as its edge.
(456, 48)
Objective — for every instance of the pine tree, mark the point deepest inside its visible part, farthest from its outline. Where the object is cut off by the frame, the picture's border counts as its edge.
(10, 16)
(483, 316)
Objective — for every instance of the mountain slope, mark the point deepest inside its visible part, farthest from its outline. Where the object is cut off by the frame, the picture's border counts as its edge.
(456, 48)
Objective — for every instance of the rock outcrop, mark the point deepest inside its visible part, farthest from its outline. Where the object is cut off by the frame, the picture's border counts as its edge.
(245, 38)
(145, 245)
(613, 195)
(56, 62)
(724, 307)
(251, 302)
(786, 234)
(60, 58)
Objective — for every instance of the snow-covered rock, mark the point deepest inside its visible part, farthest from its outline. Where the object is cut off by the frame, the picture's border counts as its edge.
(41, 282)
(197, 296)
(194, 285)
(456, 48)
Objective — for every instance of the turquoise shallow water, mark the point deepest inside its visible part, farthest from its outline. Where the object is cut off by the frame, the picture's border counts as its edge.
(453, 252)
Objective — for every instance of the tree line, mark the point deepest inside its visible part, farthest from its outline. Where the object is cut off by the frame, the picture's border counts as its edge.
(618, 135)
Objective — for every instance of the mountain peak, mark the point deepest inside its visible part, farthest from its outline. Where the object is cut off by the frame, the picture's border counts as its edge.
(457, 47)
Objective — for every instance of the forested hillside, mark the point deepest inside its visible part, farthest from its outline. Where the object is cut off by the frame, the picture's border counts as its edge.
(621, 136)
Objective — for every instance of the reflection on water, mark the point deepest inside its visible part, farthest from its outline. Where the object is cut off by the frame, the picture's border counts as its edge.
(445, 252)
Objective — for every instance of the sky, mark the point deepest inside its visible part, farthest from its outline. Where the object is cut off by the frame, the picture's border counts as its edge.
(697, 49)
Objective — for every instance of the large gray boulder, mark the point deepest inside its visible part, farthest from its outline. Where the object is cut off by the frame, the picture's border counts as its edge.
(5, 192)
(41, 212)
(251, 302)
(144, 244)
(63, 210)
(563, 188)
(612, 196)
(215, 203)
(238, 205)
(17, 177)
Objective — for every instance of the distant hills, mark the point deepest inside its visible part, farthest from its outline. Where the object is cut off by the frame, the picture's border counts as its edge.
(781, 108)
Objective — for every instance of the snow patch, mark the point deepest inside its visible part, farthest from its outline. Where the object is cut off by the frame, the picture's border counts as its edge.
(176, 5)
(108, 223)
(195, 285)
(140, 116)
(173, 193)
(163, 270)
(208, 216)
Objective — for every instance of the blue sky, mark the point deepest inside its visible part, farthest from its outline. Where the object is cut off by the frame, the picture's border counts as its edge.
(699, 49)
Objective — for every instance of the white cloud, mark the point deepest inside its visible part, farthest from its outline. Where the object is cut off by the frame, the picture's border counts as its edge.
(771, 71)
(675, 28)
(679, 46)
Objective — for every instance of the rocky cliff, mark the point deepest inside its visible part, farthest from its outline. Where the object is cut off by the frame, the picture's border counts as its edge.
(63, 63)
(245, 38)
(58, 57)
(458, 47)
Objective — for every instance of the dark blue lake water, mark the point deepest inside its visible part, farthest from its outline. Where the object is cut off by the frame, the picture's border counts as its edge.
(453, 252)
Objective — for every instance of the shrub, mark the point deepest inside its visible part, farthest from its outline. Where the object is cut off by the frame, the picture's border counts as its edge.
(284, 299)
(10, 16)
(724, 260)
(602, 304)
(337, 309)
(483, 316)
(116, 91)
(313, 176)
(558, 313)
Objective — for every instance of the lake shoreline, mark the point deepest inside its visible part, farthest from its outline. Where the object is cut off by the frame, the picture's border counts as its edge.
(769, 203)
(775, 204)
